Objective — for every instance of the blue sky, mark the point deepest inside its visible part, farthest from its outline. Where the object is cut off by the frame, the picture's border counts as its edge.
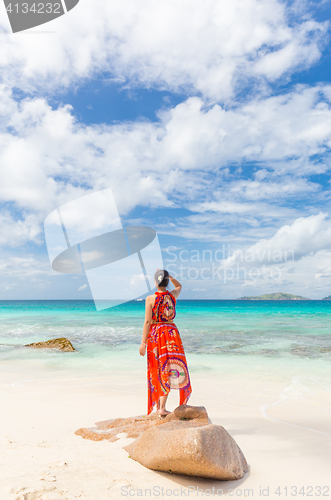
(210, 122)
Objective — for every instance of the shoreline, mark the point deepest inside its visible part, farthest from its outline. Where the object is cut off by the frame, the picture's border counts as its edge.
(239, 299)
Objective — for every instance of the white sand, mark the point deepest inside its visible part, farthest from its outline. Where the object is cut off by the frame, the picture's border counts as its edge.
(286, 439)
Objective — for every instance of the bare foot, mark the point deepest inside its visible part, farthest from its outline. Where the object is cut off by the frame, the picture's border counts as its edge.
(163, 412)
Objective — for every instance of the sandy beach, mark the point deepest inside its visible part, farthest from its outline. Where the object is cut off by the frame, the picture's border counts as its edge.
(286, 440)
(149, 147)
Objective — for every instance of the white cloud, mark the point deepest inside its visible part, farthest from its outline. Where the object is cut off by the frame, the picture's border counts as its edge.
(81, 288)
(294, 125)
(18, 267)
(91, 256)
(206, 46)
(292, 54)
(28, 275)
(17, 232)
(271, 189)
(300, 278)
(305, 236)
(223, 207)
(48, 159)
(137, 278)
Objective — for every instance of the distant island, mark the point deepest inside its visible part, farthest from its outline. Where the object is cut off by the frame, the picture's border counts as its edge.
(278, 296)
(327, 298)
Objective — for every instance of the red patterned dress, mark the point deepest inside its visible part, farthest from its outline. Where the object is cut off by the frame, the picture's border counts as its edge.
(166, 361)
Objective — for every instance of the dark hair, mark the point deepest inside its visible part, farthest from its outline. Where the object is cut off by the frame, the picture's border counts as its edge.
(161, 277)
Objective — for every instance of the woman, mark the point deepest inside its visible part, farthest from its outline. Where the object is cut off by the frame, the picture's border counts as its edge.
(166, 361)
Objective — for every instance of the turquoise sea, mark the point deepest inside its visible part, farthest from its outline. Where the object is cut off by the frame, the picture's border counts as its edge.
(218, 335)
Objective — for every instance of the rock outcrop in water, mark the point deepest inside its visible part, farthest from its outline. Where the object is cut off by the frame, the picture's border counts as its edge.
(183, 442)
(62, 343)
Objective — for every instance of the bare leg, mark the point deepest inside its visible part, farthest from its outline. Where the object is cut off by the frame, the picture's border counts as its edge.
(161, 405)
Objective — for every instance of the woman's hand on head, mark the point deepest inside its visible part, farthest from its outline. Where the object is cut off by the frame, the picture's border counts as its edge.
(142, 350)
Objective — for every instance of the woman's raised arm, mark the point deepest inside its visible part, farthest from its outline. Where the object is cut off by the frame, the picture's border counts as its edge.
(177, 285)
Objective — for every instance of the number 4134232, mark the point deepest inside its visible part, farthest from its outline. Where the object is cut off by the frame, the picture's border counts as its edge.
(308, 491)
(35, 8)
